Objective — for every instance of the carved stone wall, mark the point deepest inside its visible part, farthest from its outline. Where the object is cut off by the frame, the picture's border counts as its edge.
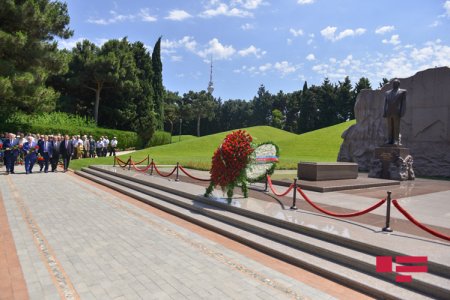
(425, 128)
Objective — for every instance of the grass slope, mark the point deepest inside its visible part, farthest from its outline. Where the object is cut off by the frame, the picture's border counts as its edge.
(318, 145)
(182, 138)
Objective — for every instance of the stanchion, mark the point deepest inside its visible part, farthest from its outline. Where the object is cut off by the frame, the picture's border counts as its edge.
(114, 161)
(178, 167)
(294, 195)
(388, 213)
(129, 163)
(148, 159)
(267, 183)
(151, 168)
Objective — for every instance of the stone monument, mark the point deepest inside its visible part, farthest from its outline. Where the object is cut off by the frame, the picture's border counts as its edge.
(425, 127)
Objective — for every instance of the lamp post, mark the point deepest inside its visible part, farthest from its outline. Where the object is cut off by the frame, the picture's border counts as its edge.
(179, 136)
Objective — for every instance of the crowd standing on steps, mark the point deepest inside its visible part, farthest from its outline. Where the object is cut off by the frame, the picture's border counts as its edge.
(47, 151)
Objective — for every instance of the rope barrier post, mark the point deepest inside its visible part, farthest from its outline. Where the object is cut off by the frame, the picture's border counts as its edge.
(294, 195)
(114, 161)
(178, 167)
(129, 163)
(388, 213)
(151, 168)
(148, 159)
(267, 183)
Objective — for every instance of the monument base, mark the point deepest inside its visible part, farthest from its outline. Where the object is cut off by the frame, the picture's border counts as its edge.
(317, 171)
(392, 162)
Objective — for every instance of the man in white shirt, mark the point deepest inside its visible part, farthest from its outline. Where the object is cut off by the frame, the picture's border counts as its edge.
(113, 146)
(105, 146)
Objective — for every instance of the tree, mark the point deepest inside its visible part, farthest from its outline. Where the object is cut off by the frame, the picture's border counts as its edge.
(157, 83)
(383, 82)
(292, 111)
(29, 54)
(327, 105)
(201, 106)
(345, 101)
(308, 115)
(262, 107)
(172, 111)
(277, 119)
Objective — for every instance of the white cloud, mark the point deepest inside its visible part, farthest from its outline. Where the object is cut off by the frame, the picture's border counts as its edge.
(217, 50)
(310, 41)
(225, 10)
(176, 58)
(248, 26)
(146, 17)
(303, 2)
(329, 33)
(310, 57)
(252, 50)
(384, 29)
(284, 67)
(296, 33)
(447, 8)
(69, 44)
(115, 18)
(178, 15)
(264, 68)
(187, 42)
(395, 40)
(289, 41)
(248, 4)
(435, 23)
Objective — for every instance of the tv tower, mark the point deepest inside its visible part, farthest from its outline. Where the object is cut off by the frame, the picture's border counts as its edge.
(210, 84)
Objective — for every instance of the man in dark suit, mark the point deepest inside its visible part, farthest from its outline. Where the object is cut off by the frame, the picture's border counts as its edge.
(55, 157)
(66, 151)
(46, 151)
(30, 153)
(11, 152)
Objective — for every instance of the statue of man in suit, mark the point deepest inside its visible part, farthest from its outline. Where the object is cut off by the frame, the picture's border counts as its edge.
(394, 109)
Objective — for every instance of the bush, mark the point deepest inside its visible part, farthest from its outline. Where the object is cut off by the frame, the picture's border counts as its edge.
(160, 138)
(54, 123)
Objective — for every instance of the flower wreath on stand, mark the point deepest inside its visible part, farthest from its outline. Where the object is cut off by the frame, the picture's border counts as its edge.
(237, 161)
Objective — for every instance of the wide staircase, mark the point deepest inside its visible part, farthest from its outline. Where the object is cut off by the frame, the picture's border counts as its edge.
(348, 261)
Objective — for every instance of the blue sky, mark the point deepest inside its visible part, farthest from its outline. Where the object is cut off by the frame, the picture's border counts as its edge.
(276, 43)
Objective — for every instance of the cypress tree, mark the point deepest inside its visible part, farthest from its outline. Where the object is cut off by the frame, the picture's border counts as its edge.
(157, 83)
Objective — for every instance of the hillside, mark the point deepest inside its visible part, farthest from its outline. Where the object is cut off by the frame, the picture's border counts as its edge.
(318, 145)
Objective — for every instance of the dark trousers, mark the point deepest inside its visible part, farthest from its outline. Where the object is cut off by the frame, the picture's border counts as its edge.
(30, 160)
(10, 161)
(46, 161)
(91, 153)
(112, 151)
(393, 124)
(66, 161)
(54, 161)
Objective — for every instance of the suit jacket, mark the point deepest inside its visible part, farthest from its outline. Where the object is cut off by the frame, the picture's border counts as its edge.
(26, 149)
(56, 146)
(66, 151)
(8, 144)
(49, 148)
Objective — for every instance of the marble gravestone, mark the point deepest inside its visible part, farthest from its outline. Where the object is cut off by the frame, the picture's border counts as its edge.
(424, 129)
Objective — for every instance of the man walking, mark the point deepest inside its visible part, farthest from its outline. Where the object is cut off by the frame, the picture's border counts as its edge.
(29, 151)
(55, 157)
(66, 151)
(113, 147)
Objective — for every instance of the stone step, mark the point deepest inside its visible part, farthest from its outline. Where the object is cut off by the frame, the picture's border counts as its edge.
(385, 245)
(345, 265)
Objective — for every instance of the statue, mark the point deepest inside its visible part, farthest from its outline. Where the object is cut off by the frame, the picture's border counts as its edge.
(394, 109)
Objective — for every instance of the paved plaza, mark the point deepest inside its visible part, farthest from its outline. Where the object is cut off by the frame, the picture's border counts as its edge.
(69, 239)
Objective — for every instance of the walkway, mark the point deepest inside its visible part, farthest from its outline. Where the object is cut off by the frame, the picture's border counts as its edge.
(74, 240)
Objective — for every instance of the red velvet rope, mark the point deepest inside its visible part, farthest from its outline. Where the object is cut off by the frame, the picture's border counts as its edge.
(189, 175)
(119, 161)
(275, 192)
(164, 175)
(137, 163)
(358, 213)
(140, 170)
(415, 222)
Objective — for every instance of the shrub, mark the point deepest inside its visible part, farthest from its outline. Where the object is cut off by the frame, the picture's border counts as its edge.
(160, 138)
(54, 123)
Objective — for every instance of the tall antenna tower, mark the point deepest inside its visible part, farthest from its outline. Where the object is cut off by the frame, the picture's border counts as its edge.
(210, 84)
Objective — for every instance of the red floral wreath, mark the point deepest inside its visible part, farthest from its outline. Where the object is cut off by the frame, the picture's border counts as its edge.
(230, 160)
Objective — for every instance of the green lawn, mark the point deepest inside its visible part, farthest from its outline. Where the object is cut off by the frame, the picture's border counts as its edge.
(318, 145)
(182, 138)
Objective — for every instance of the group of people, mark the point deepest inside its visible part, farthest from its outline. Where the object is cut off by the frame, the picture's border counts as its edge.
(47, 150)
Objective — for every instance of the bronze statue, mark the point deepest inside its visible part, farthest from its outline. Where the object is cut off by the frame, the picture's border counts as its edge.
(394, 109)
